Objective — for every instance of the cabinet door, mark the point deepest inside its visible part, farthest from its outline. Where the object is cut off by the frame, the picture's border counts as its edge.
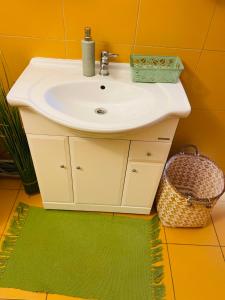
(52, 164)
(98, 170)
(141, 183)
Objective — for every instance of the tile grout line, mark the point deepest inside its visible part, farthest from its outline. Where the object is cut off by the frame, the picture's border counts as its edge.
(63, 19)
(197, 245)
(127, 44)
(173, 47)
(64, 28)
(206, 36)
(218, 238)
(11, 189)
(168, 254)
(21, 186)
(207, 109)
(136, 27)
(210, 23)
(31, 37)
(10, 213)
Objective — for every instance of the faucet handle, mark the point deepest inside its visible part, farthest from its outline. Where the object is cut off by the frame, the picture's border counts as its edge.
(106, 54)
(113, 55)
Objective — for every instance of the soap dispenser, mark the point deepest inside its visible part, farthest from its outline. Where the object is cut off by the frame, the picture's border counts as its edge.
(88, 53)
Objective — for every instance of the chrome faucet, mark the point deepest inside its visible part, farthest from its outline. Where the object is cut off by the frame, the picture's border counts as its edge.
(104, 62)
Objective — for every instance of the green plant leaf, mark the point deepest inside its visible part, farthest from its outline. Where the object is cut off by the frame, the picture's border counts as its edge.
(14, 137)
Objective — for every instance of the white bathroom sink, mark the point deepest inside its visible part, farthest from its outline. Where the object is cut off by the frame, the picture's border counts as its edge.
(57, 89)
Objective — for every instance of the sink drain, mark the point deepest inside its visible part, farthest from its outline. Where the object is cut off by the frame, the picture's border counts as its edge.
(100, 111)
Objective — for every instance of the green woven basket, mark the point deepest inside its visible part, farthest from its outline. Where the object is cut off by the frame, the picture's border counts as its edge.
(146, 68)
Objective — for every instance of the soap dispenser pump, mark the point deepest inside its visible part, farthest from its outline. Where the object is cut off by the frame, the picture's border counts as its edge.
(88, 53)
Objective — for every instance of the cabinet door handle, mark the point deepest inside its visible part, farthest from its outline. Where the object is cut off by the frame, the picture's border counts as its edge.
(148, 154)
(134, 170)
(78, 168)
(63, 167)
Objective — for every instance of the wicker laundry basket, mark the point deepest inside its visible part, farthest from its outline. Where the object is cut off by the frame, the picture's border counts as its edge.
(190, 186)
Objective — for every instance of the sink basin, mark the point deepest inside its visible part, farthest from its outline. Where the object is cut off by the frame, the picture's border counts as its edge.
(100, 106)
(56, 89)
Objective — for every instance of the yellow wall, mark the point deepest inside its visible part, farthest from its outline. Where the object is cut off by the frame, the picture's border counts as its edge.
(194, 30)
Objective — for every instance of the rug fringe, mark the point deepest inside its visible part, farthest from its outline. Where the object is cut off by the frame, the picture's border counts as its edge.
(157, 287)
(15, 227)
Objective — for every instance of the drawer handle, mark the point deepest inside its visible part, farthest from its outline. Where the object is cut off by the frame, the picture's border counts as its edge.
(149, 154)
(78, 168)
(63, 167)
(134, 170)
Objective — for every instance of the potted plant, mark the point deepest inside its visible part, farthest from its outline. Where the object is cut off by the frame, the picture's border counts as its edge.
(14, 137)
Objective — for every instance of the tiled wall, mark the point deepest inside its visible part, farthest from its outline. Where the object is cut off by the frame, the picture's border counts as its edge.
(194, 30)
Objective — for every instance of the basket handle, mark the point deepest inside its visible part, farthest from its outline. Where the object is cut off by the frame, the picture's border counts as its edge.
(190, 146)
(207, 202)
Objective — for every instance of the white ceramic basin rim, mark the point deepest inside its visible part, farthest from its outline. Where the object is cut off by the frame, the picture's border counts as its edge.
(56, 89)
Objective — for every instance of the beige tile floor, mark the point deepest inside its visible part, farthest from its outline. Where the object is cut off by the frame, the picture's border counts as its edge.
(193, 262)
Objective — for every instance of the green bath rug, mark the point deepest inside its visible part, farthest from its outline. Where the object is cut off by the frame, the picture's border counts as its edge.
(88, 255)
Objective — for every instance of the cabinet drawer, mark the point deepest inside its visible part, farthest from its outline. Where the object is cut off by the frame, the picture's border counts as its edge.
(149, 151)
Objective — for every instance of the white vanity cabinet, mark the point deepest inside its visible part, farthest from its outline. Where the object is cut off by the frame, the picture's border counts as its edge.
(97, 172)
(98, 143)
